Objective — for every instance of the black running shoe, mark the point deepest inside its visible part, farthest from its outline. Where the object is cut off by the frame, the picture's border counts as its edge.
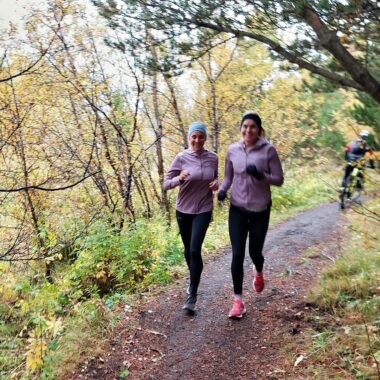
(189, 304)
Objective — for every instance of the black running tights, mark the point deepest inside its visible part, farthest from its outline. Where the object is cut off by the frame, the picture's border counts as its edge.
(241, 223)
(192, 228)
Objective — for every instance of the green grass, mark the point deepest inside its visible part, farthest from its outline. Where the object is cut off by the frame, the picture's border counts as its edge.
(347, 296)
(86, 329)
(306, 185)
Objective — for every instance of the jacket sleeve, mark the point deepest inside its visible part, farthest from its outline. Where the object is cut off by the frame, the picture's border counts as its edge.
(216, 169)
(275, 176)
(172, 177)
(228, 174)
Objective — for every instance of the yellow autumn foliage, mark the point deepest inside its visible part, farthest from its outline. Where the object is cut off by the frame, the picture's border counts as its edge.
(38, 340)
(35, 353)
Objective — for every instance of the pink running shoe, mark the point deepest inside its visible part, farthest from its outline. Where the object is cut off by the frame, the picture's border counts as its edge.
(238, 310)
(258, 281)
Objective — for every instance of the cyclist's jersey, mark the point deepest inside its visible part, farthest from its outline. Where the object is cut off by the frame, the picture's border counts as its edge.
(355, 150)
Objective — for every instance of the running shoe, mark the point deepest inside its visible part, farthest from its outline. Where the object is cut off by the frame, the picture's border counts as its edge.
(190, 302)
(238, 310)
(258, 281)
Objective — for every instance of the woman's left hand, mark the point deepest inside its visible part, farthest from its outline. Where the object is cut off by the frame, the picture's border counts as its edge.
(214, 185)
(253, 171)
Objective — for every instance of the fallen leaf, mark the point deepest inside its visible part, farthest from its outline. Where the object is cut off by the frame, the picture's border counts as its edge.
(298, 360)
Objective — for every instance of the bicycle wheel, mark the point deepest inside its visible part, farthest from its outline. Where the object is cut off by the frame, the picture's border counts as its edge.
(347, 192)
(343, 198)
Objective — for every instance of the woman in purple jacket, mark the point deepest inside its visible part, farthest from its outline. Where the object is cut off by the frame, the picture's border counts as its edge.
(195, 171)
(252, 165)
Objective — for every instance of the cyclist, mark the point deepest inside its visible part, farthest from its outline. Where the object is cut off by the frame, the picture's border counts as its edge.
(355, 150)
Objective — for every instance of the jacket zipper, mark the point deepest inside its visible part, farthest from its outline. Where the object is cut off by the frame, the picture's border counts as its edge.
(200, 157)
(247, 183)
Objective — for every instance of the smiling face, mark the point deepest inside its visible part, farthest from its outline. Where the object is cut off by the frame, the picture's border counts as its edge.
(250, 132)
(197, 141)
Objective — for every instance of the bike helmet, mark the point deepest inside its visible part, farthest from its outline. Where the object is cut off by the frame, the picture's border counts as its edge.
(364, 133)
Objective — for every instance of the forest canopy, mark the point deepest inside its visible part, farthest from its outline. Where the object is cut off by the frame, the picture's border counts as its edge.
(337, 40)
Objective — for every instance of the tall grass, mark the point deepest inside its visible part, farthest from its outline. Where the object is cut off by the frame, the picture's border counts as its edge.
(348, 293)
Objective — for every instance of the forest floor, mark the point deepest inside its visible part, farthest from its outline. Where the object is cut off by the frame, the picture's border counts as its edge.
(157, 340)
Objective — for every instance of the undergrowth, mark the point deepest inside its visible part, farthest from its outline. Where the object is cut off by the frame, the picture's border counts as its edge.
(347, 297)
(46, 328)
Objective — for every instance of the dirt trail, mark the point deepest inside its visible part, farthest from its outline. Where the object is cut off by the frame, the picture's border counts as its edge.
(160, 342)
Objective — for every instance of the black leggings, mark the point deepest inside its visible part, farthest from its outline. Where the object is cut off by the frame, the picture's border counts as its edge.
(192, 228)
(241, 223)
(347, 171)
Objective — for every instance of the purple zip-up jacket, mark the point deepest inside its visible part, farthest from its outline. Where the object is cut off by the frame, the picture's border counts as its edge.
(194, 196)
(248, 192)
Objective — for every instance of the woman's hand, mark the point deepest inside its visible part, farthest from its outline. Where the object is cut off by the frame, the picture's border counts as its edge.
(254, 172)
(183, 175)
(222, 195)
(213, 185)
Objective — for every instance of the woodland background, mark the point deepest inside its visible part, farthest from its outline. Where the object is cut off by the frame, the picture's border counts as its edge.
(95, 100)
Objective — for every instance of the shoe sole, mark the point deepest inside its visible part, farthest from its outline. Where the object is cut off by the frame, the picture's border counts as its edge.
(189, 311)
(237, 316)
(188, 307)
(254, 287)
(257, 291)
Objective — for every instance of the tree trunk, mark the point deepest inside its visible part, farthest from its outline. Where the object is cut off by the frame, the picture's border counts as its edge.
(143, 195)
(158, 130)
(330, 41)
(181, 126)
(214, 122)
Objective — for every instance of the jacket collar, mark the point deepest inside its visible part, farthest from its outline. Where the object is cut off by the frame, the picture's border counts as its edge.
(259, 143)
(196, 153)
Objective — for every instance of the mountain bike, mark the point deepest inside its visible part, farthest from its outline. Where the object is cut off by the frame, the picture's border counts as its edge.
(354, 184)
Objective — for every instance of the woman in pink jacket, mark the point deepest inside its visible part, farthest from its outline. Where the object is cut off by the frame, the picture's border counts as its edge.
(195, 171)
(252, 165)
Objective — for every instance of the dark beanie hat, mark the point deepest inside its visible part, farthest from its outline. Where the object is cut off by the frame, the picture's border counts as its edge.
(252, 115)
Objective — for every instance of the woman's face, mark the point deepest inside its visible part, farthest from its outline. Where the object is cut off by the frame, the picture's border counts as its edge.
(197, 141)
(250, 132)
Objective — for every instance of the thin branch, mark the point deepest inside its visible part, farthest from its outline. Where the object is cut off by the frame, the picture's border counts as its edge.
(30, 67)
(37, 187)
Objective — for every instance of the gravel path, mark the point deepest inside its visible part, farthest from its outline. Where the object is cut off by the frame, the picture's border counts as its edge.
(159, 341)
